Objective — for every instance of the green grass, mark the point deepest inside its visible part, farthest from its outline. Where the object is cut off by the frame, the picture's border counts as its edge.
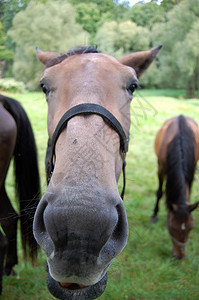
(145, 270)
(180, 94)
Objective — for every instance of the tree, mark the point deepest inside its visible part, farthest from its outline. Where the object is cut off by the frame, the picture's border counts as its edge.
(89, 17)
(9, 9)
(6, 55)
(169, 4)
(121, 38)
(50, 26)
(92, 14)
(190, 54)
(178, 61)
(146, 14)
(104, 5)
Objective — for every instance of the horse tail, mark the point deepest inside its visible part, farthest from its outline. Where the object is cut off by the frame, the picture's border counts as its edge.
(180, 163)
(27, 182)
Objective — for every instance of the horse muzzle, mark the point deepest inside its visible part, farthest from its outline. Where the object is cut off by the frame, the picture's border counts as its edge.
(178, 248)
(81, 232)
(74, 291)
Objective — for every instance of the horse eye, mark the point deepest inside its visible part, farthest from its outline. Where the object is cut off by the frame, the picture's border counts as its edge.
(132, 87)
(44, 88)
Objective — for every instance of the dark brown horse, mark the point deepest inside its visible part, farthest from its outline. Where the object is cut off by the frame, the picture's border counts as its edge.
(17, 139)
(177, 149)
(81, 222)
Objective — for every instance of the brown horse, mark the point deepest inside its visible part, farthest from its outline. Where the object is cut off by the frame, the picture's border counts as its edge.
(81, 222)
(17, 139)
(177, 149)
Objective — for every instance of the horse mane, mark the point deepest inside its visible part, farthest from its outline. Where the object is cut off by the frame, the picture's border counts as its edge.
(74, 51)
(180, 166)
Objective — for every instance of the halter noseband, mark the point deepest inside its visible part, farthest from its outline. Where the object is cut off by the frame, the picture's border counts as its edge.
(180, 244)
(87, 109)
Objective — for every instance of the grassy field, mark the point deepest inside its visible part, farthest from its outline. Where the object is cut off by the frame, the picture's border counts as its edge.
(145, 270)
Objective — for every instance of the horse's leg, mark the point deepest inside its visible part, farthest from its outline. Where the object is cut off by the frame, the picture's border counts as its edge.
(3, 244)
(158, 193)
(8, 219)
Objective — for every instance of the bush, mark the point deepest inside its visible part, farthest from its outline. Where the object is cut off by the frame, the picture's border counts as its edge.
(11, 85)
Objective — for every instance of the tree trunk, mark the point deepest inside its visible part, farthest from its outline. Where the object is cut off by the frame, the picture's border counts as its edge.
(190, 91)
(193, 84)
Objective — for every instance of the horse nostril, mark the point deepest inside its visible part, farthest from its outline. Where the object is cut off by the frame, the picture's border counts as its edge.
(39, 228)
(38, 223)
(118, 224)
(120, 232)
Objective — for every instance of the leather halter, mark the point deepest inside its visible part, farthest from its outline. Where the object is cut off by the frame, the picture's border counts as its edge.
(87, 109)
(180, 244)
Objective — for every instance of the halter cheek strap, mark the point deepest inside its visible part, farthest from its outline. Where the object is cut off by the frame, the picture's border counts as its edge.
(87, 109)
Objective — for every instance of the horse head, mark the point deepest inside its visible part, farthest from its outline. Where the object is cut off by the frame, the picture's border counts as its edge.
(81, 222)
(180, 223)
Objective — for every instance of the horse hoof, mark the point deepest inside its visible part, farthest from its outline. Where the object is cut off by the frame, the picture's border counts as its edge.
(9, 272)
(153, 219)
(13, 273)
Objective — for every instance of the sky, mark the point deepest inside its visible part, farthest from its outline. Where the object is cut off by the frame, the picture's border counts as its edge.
(132, 2)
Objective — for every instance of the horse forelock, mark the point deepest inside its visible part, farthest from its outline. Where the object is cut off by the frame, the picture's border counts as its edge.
(182, 213)
(74, 51)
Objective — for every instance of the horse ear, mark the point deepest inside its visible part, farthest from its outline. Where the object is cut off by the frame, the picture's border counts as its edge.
(141, 60)
(191, 207)
(44, 57)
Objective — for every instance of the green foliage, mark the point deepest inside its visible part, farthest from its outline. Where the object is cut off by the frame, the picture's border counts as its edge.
(120, 38)
(178, 60)
(89, 17)
(190, 54)
(146, 14)
(169, 4)
(5, 53)
(93, 14)
(114, 26)
(9, 9)
(2, 35)
(11, 85)
(145, 270)
(50, 26)
(104, 5)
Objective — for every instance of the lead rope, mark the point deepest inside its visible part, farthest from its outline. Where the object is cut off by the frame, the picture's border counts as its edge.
(124, 179)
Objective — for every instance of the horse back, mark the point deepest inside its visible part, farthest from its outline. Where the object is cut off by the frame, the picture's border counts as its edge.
(195, 129)
(163, 138)
(168, 132)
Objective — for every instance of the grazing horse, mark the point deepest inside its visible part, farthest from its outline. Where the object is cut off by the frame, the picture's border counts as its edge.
(81, 222)
(17, 139)
(177, 149)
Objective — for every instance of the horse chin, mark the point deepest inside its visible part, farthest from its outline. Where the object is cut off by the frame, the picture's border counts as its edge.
(178, 255)
(65, 291)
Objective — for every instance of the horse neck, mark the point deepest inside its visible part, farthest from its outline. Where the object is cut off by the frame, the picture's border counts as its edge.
(180, 164)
